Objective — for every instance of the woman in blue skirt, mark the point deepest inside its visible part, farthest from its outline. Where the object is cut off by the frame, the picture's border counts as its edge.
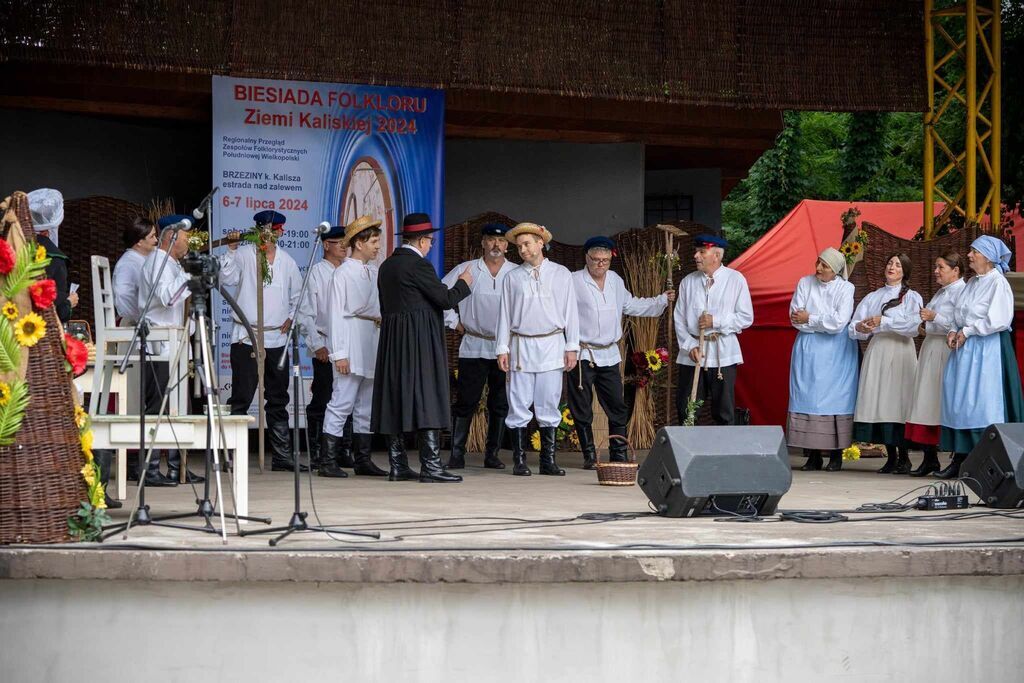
(980, 383)
(824, 367)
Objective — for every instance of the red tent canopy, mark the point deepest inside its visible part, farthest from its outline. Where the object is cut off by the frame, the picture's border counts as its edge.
(772, 266)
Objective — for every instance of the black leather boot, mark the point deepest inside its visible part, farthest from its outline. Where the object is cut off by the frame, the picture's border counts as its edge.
(174, 469)
(328, 467)
(431, 468)
(903, 462)
(519, 467)
(364, 465)
(813, 460)
(929, 464)
(495, 435)
(835, 461)
(399, 461)
(585, 433)
(314, 430)
(280, 438)
(891, 460)
(154, 477)
(618, 449)
(343, 454)
(460, 434)
(547, 453)
(103, 459)
(952, 471)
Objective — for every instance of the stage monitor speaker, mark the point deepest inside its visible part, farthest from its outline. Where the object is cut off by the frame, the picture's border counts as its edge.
(716, 470)
(995, 468)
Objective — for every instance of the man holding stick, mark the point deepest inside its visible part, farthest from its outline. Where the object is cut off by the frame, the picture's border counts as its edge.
(714, 305)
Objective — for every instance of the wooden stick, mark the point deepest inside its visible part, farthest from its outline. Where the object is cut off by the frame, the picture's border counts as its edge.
(697, 368)
(258, 348)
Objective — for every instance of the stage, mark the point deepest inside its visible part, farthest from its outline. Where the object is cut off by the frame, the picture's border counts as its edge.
(500, 577)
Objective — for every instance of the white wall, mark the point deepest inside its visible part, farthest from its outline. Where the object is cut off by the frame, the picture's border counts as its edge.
(576, 190)
(905, 631)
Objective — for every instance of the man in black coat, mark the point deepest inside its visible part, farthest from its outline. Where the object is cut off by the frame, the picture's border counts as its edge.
(410, 388)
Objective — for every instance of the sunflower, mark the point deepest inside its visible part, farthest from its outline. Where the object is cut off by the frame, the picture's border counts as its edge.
(40, 254)
(855, 248)
(10, 310)
(846, 249)
(653, 361)
(862, 236)
(5, 393)
(30, 329)
(567, 418)
(535, 441)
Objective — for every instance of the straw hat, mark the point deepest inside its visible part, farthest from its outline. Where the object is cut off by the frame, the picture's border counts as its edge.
(529, 229)
(358, 225)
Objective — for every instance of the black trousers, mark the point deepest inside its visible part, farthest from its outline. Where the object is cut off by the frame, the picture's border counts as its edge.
(154, 384)
(608, 382)
(245, 382)
(320, 390)
(474, 373)
(721, 392)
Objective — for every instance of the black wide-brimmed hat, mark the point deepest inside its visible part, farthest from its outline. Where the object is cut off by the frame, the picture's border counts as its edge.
(417, 225)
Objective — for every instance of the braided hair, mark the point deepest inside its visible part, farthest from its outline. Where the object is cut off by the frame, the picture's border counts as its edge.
(905, 286)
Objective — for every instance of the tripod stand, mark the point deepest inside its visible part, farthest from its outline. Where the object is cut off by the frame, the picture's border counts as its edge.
(203, 277)
(298, 519)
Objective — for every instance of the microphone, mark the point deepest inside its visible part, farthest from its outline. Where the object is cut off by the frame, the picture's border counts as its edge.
(323, 228)
(204, 205)
(183, 224)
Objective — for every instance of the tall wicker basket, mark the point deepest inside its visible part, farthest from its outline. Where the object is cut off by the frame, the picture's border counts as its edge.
(40, 483)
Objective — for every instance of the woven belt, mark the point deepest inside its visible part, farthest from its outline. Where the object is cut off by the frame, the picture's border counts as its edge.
(590, 347)
(518, 335)
(265, 328)
(375, 321)
(478, 335)
(714, 338)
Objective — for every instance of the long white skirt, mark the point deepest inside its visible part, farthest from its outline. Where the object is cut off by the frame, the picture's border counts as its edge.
(887, 374)
(927, 401)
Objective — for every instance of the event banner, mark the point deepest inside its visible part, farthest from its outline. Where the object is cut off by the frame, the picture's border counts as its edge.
(323, 152)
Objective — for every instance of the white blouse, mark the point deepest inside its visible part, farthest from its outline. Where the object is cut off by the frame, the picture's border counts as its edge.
(985, 306)
(125, 283)
(943, 304)
(315, 313)
(280, 297)
(478, 312)
(728, 302)
(902, 319)
(601, 313)
(830, 304)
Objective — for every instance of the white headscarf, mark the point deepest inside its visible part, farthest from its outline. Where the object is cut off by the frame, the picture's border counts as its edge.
(47, 209)
(834, 260)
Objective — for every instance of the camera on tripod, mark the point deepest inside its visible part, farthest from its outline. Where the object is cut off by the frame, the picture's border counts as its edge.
(203, 270)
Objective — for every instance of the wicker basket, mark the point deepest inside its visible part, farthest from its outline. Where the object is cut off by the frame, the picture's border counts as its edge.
(618, 473)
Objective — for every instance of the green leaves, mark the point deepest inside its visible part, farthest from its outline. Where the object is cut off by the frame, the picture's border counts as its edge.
(26, 270)
(13, 411)
(10, 351)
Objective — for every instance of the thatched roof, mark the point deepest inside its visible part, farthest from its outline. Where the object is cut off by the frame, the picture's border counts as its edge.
(773, 54)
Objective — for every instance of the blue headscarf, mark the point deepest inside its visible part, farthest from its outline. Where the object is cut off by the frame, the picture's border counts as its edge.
(994, 250)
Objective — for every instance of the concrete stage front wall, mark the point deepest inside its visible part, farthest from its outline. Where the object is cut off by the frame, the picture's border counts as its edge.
(905, 630)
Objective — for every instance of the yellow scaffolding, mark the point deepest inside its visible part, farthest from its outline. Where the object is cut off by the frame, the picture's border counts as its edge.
(983, 129)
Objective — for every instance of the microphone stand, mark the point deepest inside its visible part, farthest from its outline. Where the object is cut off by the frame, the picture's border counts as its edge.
(298, 519)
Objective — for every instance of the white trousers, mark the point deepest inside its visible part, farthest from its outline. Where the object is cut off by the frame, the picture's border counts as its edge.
(542, 390)
(350, 395)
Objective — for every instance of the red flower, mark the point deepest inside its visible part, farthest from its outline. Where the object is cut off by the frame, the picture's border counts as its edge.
(43, 293)
(639, 360)
(77, 355)
(662, 354)
(6, 257)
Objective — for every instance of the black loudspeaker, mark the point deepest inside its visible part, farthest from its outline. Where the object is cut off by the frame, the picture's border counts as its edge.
(994, 470)
(716, 470)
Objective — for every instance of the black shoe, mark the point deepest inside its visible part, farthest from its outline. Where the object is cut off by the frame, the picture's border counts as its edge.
(928, 465)
(431, 468)
(585, 434)
(618, 449)
(547, 453)
(519, 467)
(495, 435)
(892, 457)
(835, 461)
(280, 441)
(343, 454)
(112, 504)
(328, 467)
(364, 465)
(903, 463)
(159, 480)
(813, 463)
(398, 461)
(190, 477)
(952, 471)
(460, 435)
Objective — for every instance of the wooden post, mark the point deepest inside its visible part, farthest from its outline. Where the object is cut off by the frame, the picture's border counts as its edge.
(260, 356)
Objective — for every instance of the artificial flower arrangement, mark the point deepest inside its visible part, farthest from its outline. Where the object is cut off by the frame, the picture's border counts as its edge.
(565, 432)
(647, 365)
(856, 240)
(262, 238)
(87, 522)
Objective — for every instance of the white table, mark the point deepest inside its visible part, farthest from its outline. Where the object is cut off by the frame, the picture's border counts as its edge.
(183, 431)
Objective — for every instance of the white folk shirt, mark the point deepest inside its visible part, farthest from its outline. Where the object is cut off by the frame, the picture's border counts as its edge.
(280, 297)
(168, 306)
(728, 302)
(985, 305)
(478, 312)
(125, 283)
(829, 304)
(353, 330)
(538, 301)
(902, 319)
(601, 311)
(315, 313)
(944, 303)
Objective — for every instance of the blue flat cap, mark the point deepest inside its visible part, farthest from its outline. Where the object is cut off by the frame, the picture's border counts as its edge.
(599, 242)
(269, 217)
(494, 230)
(171, 219)
(335, 233)
(706, 240)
